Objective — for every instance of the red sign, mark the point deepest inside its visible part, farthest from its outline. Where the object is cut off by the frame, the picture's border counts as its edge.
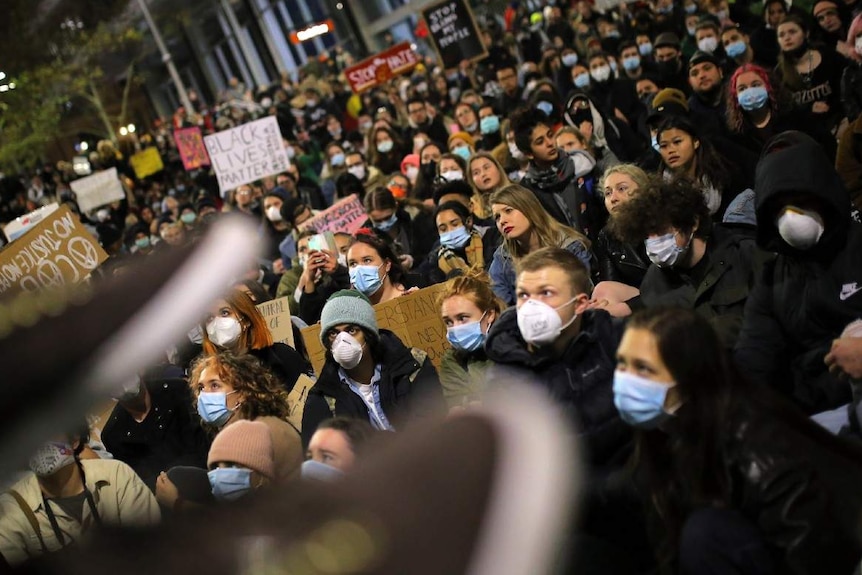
(382, 67)
(191, 147)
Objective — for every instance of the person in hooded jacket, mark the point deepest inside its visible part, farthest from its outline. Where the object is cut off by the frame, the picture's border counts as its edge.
(695, 264)
(809, 293)
(369, 373)
(413, 236)
(553, 340)
(614, 97)
(612, 140)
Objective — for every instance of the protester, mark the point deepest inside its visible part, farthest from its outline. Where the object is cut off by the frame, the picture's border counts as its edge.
(241, 460)
(413, 236)
(335, 446)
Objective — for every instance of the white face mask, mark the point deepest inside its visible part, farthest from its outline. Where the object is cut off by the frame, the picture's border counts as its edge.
(516, 153)
(859, 45)
(452, 175)
(708, 44)
(540, 324)
(224, 331)
(273, 214)
(601, 74)
(412, 172)
(346, 351)
(800, 228)
(358, 171)
(52, 456)
(342, 260)
(663, 251)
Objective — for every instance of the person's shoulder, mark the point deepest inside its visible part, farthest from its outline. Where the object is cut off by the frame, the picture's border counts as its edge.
(106, 469)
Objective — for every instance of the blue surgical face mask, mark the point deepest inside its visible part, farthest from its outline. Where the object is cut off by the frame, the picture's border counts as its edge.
(337, 159)
(212, 407)
(639, 400)
(316, 470)
(229, 483)
(489, 125)
(545, 107)
(570, 59)
(735, 49)
(387, 224)
(654, 143)
(455, 238)
(753, 98)
(467, 336)
(366, 279)
(631, 63)
(582, 80)
(690, 8)
(463, 151)
(664, 252)
(188, 218)
(142, 243)
(385, 146)
(645, 49)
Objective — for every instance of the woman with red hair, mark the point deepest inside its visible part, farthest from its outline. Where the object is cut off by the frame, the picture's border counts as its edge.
(758, 110)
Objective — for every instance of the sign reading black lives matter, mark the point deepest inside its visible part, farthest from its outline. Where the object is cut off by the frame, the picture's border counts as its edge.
(247, 153)
(454, 32)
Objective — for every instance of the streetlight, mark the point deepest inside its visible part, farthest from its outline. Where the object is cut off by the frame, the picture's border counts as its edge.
(126, 130)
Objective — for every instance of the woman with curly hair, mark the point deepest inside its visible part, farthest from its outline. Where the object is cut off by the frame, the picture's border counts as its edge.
(758, 110)
(695, 264)
(228, 388)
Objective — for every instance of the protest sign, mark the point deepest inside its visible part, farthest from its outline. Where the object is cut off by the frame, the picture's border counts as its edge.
(414, 318)
(345, 215)
(382, 67)
(247, 153)
(454, 32)
(190, 145)
(17, 227)
(56, 252)
(97, 190)
(296, 400)
(147, 162)
(277, 315)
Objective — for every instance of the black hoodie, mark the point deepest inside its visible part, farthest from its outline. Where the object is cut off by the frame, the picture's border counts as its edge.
(805, 298)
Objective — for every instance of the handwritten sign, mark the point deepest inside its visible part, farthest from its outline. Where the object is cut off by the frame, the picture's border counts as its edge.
(97, 190)
(277, 315)
(56, 252)
(345, 215)
(296, 400)
(382, 67)
(147, 162)
(414, 318)
(454, 32)
(247, 153)
(190, 145)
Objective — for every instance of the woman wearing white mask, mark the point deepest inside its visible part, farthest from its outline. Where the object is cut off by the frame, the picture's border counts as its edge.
(695, 264)
(228, 388)
(369, 373)
(451, 167)
(274, 227)
(469, 308)
(234, 324)
(65, 498)
(730, 474)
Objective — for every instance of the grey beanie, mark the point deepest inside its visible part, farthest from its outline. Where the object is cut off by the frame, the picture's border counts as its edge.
(345, 307)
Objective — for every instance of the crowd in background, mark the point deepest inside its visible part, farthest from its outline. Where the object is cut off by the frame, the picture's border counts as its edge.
(648, 211)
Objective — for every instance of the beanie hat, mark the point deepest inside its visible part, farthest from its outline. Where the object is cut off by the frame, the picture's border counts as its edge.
(462, 136)
(246, 443)
(409, 160)
(192, 484)
(278, 192)
(667, 39)
(700, 56)
(668, 102)
(347, 306)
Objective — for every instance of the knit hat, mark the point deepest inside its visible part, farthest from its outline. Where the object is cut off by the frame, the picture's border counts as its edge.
(246, 443)
(700, 56)
(278, 192)
(192, 484)
(667, 39)
(668, 102)
(462, 136)
(347, 306)
(409, 160)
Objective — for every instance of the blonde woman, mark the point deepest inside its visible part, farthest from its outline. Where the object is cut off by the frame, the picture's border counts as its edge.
(485, 175)
(527, 227)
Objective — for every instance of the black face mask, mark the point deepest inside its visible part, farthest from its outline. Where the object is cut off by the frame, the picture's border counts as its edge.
(429, 170)
(798, 51)
(668, 67)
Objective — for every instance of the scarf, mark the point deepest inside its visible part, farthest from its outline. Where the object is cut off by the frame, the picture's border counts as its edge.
(448, 261)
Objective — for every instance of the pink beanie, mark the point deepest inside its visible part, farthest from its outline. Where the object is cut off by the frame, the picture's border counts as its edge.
(246, 443)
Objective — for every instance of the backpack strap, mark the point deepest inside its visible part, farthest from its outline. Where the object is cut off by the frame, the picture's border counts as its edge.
(31, 517)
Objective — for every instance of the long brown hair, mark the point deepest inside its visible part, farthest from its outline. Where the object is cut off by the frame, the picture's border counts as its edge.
(480, 199)
(255, 336)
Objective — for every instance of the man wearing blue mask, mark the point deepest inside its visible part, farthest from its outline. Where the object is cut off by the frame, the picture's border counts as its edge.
(561, 344)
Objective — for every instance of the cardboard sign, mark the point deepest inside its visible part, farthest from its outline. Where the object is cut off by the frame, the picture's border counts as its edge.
(17, 227)
(147, 162)
(345, 215)
(414, 318)
(454, 32)
(296, 400)
(190, 145)
(247, 153)
(382, 67)
(277, 315)
(98, 190)
(56, 252)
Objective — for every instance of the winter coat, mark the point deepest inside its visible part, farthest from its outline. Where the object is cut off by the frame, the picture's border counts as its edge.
(804, 298)
(414, 236)
(463, 376)
(619, 261)
(409, 389)
(580, 379)
(792, 119)
(431, 269)
(284, 362)
(716, 287)
(502, 269)
(848, 162)
(851, 90)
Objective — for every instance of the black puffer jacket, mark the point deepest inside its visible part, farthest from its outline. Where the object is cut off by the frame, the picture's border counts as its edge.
(409, 389)
(619, 261)
(804, 299)
(581, 380)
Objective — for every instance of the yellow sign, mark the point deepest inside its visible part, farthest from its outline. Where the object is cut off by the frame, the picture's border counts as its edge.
(147, 162)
